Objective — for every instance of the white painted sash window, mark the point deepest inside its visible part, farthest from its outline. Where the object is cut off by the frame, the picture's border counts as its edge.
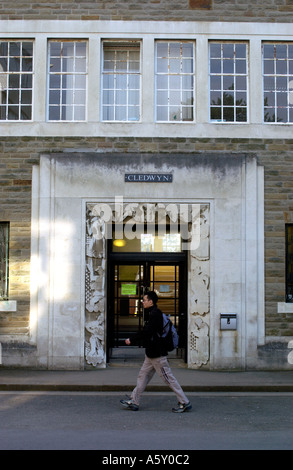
(121, 81)
(174, 81)
(228, 82)
(278, 82)
(16, 80)
(67, 69)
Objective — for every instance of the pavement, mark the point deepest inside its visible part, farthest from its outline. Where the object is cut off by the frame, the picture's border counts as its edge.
(123, 378)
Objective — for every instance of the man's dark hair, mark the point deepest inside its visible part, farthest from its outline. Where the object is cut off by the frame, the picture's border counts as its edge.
(152, 296)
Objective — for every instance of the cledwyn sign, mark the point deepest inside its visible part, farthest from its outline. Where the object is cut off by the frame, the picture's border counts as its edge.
(148, 178)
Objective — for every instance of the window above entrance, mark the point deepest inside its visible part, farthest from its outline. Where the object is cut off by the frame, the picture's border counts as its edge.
(148, 243)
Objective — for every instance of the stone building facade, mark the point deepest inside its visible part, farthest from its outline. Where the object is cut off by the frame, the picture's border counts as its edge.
(61, 171)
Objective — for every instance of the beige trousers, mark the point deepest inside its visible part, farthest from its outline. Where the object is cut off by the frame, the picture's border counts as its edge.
(161, 366)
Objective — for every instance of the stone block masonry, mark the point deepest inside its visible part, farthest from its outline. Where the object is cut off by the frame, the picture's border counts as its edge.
(153, 10)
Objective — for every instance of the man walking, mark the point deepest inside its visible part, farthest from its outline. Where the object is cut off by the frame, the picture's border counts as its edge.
(155, 359)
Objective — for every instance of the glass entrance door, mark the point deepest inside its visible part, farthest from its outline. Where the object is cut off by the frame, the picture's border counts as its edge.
(128, 282)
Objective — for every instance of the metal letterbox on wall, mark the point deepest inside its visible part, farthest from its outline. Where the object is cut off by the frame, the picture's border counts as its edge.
(228, 321)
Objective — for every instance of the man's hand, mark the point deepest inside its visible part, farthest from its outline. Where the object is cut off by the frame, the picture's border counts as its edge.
(127, 341)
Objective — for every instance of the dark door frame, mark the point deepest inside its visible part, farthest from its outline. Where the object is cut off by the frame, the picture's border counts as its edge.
(153, 259)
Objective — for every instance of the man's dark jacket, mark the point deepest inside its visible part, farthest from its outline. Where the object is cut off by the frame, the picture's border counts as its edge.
(150, 335)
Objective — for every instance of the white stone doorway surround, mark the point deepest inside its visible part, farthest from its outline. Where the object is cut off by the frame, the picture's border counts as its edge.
(198, 259)
(225, 272)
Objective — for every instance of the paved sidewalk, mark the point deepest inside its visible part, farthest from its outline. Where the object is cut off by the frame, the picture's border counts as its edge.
(123, 378)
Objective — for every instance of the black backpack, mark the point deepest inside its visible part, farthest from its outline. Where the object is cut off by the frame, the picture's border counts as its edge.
(169, 335)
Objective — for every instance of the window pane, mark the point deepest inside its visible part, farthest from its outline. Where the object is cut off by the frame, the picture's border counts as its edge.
(187, 97)
(13, 81)
(134, 97)
(215, 50)
(133, 113)
(215, 83)
(187, 66)
(269, 67)
(121, 97)
(269, 99)
(174, 82)
(79, 113)
(228, 99)
(187, 113)
(26, 97)
(228, 82)
(228, 51)
(54, 96)
(13, 113)
(282, 99)
(268, 51)
(241, 83)
(120, 113)
(240, 66)
(228, 114)
(162, 97)
(282, 115)
(187, 50)
(121, 81)
(26, 81)
(175, 97)
(80, 97)
(134, 82)
(228, 66)
(281, 51)
(269, 83)
(281, 67)
(269, 115)
(215, 66)
(241, 99)
(162, 113)
(174, 65)
(108, 113)
(216, 97)
(241, 114)
(26, 113)
(162, 82)
(216, 114)
(240, 51)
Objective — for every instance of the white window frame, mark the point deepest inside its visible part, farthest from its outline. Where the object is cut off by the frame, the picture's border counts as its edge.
(175, 110)
(7, 87)
(69, 93)
(226, 74)
(115, 105)
(276, 77)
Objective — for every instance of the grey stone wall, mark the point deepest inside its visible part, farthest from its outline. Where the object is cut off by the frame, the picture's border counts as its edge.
(155, 10)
